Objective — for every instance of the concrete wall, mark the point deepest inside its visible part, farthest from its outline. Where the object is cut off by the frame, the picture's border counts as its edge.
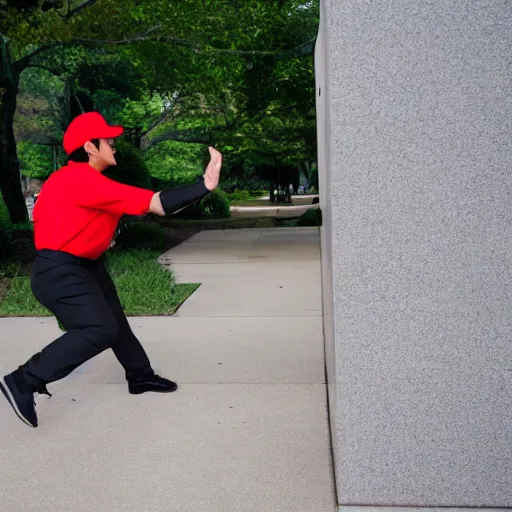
(323, 131)
(415, 116)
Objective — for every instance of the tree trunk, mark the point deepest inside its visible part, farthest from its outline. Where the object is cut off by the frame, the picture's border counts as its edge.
(10, 182)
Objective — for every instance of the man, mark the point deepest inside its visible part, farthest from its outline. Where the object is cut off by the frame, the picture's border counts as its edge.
(75, 218)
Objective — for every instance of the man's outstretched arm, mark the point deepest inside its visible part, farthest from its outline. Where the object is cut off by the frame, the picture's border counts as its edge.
(170, 201)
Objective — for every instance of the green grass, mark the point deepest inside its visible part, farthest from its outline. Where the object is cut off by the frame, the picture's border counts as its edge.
(19, 301)
(145, 288)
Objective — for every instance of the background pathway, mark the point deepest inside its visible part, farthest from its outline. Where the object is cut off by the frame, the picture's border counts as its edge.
(248, 429)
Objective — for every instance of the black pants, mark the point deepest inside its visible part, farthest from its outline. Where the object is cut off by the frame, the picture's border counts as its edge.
(81, 294)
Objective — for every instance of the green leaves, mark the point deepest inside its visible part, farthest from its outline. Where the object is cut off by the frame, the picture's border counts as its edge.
(217, 72)
(175, 163)
(35, 160)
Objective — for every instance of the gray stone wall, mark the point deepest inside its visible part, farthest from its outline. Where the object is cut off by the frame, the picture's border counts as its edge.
(323, 124)
(415, 116)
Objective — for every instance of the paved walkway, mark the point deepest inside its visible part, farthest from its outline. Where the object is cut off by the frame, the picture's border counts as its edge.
(246, 432)
(281, 212)
(301, 203)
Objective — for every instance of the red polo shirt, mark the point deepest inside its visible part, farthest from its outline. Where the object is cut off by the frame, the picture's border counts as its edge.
(78, 210)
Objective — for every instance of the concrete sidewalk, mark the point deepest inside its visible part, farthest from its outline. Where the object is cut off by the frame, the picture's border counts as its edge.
(280, 212)
(246, 431)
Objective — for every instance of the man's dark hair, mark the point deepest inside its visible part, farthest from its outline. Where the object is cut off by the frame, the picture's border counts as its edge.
(80, 155)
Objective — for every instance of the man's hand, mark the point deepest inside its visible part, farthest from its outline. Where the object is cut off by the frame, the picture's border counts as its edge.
(173, 200)
(212, 172)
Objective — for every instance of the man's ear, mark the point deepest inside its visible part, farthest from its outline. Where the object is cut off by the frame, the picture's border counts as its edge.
(90, 148)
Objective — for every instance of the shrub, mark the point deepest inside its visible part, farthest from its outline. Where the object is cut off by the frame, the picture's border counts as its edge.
(36, 161)
(239, 195)
(213, 206)
(249, 183)
(4, 214)
(136, 234)
(159, 184)
(311, 217)
(216, 205)
(245, 195)
(258, 193)
(130, 169)
(5, 229)
(5, 240)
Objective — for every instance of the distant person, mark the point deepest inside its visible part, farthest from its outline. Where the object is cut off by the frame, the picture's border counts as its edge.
(29, 203)
(34, 188)
(72, 231)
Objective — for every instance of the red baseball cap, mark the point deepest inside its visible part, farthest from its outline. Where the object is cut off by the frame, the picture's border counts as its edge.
(88, 126)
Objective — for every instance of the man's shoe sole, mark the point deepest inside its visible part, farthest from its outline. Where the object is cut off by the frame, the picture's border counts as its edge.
(152, 391)
(8, 395)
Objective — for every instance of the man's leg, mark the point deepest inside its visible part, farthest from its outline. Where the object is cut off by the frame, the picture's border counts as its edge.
(127, 347)
(72, 294)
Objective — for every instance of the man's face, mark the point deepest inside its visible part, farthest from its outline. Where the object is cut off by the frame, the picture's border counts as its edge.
(107, 151)
(102, 157)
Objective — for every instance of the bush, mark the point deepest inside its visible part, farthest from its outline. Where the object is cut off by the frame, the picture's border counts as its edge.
(250, 184)
(136, 234)
(245, 195)
(239, 195)
(4, 214)
(311, 217)
(213, 206)
(36, 161)
(5, 240)
(130, 169)
(159, 184)
(258, 193)
(5, 229)
(216, 205)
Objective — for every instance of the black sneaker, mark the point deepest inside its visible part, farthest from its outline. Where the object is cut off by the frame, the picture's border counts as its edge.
(153, 383)
(21, 400)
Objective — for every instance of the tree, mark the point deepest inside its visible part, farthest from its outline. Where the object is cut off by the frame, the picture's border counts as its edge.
(26, 34)
(259, 106)
(177, 46)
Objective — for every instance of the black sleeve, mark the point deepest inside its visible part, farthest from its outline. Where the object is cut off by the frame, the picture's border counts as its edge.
(175, 199)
